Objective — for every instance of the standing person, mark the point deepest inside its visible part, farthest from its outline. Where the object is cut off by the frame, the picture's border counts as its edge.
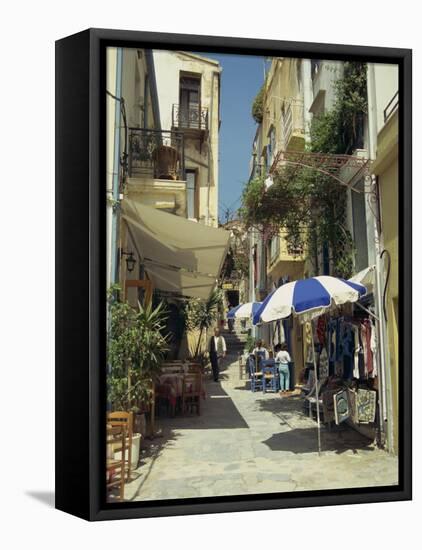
(283, 359)
(217, 349)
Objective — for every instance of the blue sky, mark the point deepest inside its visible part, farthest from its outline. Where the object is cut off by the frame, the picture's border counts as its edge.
(241, 79)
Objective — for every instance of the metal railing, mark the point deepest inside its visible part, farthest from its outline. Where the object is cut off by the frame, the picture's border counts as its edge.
(391, 106)
(189, 118)
(156, 154)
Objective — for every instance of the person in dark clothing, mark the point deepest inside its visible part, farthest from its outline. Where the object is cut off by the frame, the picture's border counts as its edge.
(217, 350)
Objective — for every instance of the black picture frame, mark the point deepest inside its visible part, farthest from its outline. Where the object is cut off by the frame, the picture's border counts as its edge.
(80, 273)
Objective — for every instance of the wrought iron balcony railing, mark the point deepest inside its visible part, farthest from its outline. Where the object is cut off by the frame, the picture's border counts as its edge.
(156, 154)
(189, 118)
(391, 107)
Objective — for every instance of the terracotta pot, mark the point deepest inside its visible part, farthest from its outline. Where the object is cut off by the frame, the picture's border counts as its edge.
(165, 160)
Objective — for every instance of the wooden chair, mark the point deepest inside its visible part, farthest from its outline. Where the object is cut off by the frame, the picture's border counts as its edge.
(193, 368)
(124, 421)
(115, 468)
(170, 369)
(256, 375)
(192, 392)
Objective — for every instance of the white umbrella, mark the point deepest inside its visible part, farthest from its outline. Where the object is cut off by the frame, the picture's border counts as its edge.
(244, 311)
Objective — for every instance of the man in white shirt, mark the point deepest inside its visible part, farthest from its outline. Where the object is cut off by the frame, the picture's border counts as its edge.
(259, 349)
(217, 349)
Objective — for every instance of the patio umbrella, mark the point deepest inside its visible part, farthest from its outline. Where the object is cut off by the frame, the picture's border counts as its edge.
(308, 299)
(244, 311)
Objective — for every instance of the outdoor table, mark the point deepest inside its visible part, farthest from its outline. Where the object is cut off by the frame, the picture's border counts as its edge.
(170, 387)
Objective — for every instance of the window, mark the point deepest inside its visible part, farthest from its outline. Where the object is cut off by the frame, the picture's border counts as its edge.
(274, 248)
(190, 101)
(315, 68)
(192, 202)
(271, 145)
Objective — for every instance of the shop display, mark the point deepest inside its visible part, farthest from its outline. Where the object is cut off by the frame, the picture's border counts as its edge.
(366, 406)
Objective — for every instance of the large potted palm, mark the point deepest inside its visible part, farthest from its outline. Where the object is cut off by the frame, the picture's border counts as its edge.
(200, 315)
(136, 348)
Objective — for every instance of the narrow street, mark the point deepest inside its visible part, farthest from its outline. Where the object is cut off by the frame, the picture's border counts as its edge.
(246, 442)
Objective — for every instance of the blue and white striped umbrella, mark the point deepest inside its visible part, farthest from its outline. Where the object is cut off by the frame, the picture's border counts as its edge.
(244, 311)
(308, 298)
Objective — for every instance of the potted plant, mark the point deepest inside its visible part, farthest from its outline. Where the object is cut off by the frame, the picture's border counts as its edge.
(166, 161)
(200, 315)
(136, 347)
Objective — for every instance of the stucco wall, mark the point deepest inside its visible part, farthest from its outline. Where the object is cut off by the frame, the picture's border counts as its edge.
(387, 84)
(198, 156)
(388, 181)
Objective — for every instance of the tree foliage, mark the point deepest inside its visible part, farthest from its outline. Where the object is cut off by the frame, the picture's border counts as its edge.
(201, 314)
(258, 105)
(309, 205)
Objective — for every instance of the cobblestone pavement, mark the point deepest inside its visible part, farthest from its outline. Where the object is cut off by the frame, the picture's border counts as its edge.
(249, 443)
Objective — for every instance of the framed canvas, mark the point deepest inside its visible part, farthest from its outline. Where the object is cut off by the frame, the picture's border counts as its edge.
(233, 233)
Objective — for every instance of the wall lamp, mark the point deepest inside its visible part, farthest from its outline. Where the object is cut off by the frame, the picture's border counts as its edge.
(130, 260)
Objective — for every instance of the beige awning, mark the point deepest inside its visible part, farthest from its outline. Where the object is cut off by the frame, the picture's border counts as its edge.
(179, 255)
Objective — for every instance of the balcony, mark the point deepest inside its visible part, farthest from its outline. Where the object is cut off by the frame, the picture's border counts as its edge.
(391, 107)
(293, 125)
(192, 119)
(324, 75)
(157, 154)
(157, 169)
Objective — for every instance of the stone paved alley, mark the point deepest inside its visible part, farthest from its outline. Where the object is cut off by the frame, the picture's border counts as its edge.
(253, 443)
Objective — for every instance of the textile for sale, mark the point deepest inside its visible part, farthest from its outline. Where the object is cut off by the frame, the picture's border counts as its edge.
(366, 403)
(374, 349)
(341, 406)
(356, 352)
(323, 364)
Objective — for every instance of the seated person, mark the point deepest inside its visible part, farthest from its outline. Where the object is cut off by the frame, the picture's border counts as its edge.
(260, 352)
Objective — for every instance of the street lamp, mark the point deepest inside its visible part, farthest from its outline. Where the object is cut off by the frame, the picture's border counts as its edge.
(130, 260)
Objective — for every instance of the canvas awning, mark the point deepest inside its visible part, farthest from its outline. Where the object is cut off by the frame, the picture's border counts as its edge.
(179, 255)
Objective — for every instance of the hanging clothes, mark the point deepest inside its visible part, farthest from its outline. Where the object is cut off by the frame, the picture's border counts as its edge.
(323, 364)
(374, 349)
(363, 374)
(339, 338)
(356, 352)
(321, 329)
(348, 350)
(332, 330)
(366, 339)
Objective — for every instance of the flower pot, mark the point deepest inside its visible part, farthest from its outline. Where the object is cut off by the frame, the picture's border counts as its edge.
(136, 445)
(140, 424)
(165, 160)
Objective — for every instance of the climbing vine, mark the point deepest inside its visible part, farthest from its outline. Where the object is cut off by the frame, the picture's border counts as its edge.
(306, 203)
(258, 105)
